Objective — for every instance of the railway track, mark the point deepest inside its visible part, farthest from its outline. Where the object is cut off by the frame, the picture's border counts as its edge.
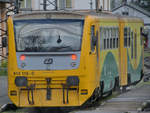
(114, 101)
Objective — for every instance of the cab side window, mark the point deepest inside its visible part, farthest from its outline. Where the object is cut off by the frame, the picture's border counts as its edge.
(93, 38)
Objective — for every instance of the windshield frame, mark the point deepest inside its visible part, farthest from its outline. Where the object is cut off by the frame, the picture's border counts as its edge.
(44, 21)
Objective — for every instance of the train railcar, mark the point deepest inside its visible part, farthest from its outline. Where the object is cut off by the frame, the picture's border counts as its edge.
(59, 59)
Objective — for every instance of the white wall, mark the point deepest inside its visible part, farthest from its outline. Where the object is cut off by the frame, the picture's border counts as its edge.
(105, 4)
(133, 12)
(36, 4)
(83, 4)
(77, 4)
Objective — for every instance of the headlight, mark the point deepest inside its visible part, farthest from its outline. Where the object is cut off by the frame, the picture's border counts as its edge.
(21, 81)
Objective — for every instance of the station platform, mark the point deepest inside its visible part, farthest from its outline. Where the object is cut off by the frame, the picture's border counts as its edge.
(133, 101)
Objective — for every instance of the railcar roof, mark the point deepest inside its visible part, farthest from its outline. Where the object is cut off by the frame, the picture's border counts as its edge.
(76, 14)
(49, 14)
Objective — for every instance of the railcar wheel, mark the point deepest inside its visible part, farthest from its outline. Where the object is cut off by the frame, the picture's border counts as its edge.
(116, 86)
(142, 74)
(129, 79)
(124, 89)
(110, 93)
(102, 88)
(96, 96)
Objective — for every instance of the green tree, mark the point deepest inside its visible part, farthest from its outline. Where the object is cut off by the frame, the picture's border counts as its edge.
(112, 4)
(3, 68)
(145, 4)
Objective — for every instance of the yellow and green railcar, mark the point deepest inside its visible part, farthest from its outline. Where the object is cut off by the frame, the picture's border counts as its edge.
(59, 59)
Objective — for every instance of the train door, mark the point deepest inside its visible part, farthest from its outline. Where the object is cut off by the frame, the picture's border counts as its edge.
(123, 55)
(94, 52)
(94, 41)
(136, 52)
(97, 53)
(134, 47)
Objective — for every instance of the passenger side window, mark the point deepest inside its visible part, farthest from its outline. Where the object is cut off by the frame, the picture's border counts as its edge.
(135, 45)
(107, 36)
(132, 35)
(104, 37)
(129, 37)
(110, 37)
(141, 35)
(113, 38)
(117, 37)
(125, 37)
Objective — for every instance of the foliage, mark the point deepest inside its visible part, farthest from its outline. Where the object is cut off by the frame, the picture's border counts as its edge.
(112, 4)
(115, 3)
(146, 54)
(3, 68)
(145, 4)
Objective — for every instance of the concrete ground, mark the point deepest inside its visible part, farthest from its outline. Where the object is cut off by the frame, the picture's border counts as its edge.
(129, 102)
(3, 91)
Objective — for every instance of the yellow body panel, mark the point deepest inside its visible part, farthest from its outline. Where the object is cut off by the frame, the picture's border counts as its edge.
(123, 57)
(56, 98)
(86, 60)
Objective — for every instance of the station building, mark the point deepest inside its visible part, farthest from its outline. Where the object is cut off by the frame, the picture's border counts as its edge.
(65, 4)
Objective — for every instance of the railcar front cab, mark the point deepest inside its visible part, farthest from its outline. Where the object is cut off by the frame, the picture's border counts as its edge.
(47, 47)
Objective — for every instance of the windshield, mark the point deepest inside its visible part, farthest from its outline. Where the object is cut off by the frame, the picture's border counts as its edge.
(48, 35)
